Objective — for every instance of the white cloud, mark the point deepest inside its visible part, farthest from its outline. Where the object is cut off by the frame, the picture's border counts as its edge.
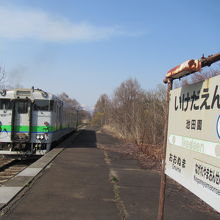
(28, 23)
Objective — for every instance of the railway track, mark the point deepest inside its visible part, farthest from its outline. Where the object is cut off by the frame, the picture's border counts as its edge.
(11, 167)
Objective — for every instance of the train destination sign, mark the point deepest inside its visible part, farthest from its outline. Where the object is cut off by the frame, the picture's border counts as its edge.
(193, 141)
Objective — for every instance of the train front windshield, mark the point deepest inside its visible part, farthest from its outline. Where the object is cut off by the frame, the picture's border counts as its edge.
(43, 105)
(5, 104)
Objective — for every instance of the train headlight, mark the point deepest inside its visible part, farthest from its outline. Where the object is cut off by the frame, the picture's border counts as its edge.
(40, 137)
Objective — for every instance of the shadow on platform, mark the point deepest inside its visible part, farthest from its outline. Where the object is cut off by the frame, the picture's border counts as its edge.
(85, 139)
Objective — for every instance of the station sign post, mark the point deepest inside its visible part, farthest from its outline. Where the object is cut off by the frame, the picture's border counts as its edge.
(193, 141)
(191, 149)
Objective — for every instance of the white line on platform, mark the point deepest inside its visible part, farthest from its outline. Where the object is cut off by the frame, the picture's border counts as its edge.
(7, 193)
(30, 172)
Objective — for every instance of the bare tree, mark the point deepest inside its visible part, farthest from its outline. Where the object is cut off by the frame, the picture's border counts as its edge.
(198, 76)
(101, 111)
(83, 115)
(134, 114)
(2, 77)
(72, 102)
(124, 104)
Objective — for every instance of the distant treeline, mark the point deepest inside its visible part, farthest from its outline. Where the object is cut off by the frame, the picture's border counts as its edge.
(83, 115)
(134, 114)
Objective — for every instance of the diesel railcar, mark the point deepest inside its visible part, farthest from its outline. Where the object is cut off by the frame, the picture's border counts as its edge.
(31, 120)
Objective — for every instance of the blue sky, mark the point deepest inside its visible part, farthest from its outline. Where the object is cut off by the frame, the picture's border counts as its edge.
(88, 47)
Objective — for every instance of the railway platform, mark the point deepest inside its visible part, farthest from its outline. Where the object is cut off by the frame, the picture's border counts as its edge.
(85, 183)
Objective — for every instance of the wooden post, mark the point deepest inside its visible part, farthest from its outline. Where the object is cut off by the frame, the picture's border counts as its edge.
(163, 175)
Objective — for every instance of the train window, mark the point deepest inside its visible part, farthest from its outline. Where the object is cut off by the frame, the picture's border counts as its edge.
(51, 105)
(43, 105)
(5, 104)
(55, 106)
(22, 107)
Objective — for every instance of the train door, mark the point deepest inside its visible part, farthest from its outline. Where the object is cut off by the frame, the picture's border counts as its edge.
(21, 123)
